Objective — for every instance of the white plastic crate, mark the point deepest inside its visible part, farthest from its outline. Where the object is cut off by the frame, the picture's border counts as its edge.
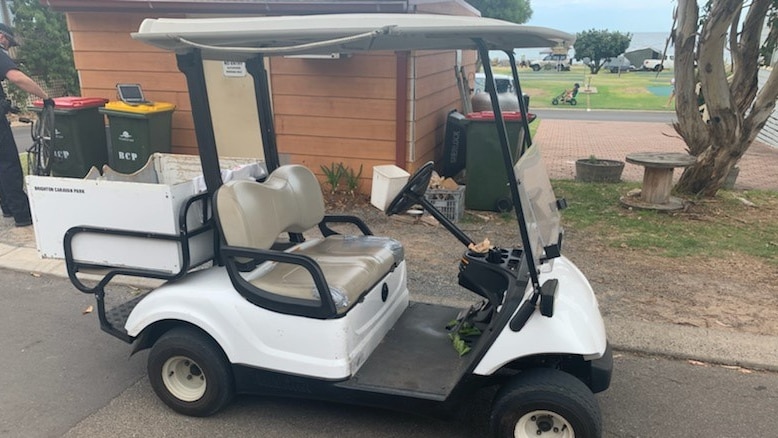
(450, 202)
(388, 180)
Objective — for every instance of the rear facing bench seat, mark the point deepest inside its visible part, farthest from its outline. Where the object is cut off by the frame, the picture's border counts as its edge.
(250, 217)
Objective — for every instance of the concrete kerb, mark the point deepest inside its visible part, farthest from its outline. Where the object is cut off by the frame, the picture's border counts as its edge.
(669, 340)
(712, 346)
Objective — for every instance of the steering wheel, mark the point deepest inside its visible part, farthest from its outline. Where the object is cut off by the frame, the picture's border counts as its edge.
(413, 191)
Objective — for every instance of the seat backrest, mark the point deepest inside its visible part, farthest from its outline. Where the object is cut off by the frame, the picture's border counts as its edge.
(253, 214)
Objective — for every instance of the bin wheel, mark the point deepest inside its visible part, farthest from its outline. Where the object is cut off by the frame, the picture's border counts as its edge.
(413, 191)
(504, 205)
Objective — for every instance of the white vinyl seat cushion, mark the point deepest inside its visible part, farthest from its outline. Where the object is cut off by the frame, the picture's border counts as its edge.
(252, 215)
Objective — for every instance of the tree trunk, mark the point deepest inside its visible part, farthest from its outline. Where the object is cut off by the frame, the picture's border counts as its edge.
(737, 110)
(709, 173)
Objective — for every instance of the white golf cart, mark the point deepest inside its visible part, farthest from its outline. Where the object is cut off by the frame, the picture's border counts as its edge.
(329, 317)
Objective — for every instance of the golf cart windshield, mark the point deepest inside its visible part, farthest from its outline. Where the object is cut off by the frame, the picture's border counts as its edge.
(539, 205)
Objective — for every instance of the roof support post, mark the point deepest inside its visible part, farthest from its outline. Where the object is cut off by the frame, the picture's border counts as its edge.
(502, 131)
(256, 68)
(191, 65)
(527, 142)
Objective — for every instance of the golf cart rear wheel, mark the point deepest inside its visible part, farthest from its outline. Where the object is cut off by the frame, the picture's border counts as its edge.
(190, 373)
(546, 402)
(555, 101)
(573, 102)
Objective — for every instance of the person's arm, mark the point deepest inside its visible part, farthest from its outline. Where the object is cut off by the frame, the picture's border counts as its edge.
(24, 82)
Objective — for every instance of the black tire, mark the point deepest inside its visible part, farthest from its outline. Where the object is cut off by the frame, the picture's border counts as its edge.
(42, 160)
(659, 67)
(573, 102)
(555, 101)
(190, 372)
(535, 67)
(541, 400)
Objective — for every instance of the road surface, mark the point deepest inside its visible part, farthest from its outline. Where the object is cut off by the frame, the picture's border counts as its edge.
(62, 376)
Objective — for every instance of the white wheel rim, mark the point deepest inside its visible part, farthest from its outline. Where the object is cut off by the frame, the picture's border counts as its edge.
(184, 378)
(543, 424)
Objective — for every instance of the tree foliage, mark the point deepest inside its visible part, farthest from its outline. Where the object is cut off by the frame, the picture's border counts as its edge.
(600, 46)
(516, 11)
(45, 50)
(735, 109)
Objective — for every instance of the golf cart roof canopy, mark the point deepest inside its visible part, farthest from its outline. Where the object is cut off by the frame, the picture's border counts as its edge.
(243, 37)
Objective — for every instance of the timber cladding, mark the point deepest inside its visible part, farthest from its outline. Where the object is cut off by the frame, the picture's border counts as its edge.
(326, 110)
(105, 54)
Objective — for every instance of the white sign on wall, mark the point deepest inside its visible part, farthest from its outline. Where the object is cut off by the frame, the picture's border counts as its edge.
(234, 69)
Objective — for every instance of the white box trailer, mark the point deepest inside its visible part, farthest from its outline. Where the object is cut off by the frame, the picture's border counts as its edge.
(131, 221)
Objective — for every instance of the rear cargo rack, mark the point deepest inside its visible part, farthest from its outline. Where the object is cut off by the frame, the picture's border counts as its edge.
(113, 320)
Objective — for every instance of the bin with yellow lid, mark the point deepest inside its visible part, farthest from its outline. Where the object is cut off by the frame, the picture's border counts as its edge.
(136, 131)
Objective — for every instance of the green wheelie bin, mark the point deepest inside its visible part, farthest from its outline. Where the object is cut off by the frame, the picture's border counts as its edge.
(136, 132)
(487, 183)
(79, 135)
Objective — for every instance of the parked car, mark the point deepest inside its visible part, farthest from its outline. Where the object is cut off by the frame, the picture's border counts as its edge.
(504, 83)
(658, 64)
(549, 62)
(615, 65)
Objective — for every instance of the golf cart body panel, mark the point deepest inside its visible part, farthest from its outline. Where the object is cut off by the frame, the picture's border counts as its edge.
(575, 328)
(251, 335)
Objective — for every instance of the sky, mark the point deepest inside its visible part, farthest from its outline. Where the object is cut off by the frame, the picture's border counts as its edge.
(614, 15)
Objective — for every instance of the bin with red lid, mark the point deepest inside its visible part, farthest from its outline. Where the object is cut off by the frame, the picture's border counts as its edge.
(79, 135)
(487, 182)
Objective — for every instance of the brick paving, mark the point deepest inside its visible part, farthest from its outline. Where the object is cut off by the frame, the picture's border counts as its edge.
(564, 141)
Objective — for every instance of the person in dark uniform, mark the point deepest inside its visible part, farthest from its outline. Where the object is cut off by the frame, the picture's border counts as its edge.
(13, 200)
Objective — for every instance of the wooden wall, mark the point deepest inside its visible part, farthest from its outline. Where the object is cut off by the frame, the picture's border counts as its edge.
(436, 94)
(105, 55)
(326, 110)
(336, 111)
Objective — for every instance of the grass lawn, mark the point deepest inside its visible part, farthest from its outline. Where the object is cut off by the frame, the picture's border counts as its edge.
(717, 227)
(637, 90)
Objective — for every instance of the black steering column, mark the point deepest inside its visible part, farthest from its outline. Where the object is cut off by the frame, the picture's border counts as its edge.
(413, 193)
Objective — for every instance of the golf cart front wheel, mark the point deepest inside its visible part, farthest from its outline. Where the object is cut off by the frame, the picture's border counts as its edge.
(190, 373)
(573, 102)
(555, 101)
(546, 402)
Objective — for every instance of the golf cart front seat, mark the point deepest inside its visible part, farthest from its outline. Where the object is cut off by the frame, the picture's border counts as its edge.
(251, 216)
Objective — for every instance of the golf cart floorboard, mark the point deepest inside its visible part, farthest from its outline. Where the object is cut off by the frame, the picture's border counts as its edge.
(415, 358)
(117, 316)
